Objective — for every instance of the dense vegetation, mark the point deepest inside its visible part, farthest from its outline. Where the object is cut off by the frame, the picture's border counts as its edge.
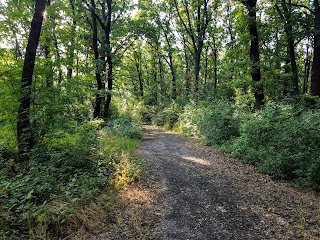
(79, 77)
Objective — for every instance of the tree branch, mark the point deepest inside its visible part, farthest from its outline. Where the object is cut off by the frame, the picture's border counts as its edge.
(298, 5)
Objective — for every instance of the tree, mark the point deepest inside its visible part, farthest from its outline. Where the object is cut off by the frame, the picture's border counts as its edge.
(24, 131)
(254, 52)
(315, 72)
(194, 17)
(286, 15)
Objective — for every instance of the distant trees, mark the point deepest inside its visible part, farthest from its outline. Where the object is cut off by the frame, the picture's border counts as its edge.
(194, 16)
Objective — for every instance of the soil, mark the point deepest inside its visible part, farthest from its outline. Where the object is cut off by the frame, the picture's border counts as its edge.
(191, 191)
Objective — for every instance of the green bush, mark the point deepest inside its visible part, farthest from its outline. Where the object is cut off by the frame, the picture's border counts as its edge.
(218, 123)
(144, 113)
(282, 140)
(67, 170)
(125, 127)
(167, 116)
(214, 122)
(189, 121)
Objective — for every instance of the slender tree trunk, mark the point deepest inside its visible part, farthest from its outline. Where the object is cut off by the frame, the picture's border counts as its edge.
(55, 41)
(173, 73)
(254, 53)
(188, 78)
(315, 72)
(232, 38)
(196, 73)
(188, 69)
(107, 31)
(206, 68)
(139, 71)
(49, 69)
(307, 65)
(286, 16)
(286, 78)
(215, 59)
(71, 50)
(25, 135)
(161, 80)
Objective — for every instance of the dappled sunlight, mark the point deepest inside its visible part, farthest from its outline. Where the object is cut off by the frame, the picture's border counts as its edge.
(196, 160)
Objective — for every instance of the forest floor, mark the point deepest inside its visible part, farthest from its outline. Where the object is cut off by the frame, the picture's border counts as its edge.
(190, 191)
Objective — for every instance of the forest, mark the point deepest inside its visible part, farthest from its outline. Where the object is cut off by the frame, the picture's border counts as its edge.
(80, 78)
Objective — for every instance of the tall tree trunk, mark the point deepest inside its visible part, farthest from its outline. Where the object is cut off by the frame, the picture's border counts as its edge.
(49, 68)
(161, 81)
(307, 65)
(188, 69)
(232, 38)
(254, 53)
(286, 77)
(286, 16)
(55, 41)
(107, 31)
(71, 50)
(197, 35)
(315, 72)
(137, 60)
(206, 68)
(173, 73)
(215, 56)
(196, 73)
(25, 135)
(99, 97)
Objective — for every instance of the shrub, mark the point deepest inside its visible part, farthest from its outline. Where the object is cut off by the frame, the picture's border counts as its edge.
(214, 122)
(283, 141)
(188, 122)
(218, 123)
(125, 127)
(67, 172)
(143, 113)
(167, 116)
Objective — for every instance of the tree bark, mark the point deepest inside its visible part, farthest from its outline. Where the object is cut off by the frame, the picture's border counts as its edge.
(107, 31)
(71, 50)
(307, 65)
(99, 97)
(25, 135)
(286, 16)
(197, 35)
(254, 53)
(315, 72)
(137, 60)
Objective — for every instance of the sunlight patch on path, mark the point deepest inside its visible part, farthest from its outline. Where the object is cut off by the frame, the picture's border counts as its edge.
(196, 160)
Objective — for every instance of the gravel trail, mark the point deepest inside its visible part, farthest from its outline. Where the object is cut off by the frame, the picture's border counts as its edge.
(210, 196)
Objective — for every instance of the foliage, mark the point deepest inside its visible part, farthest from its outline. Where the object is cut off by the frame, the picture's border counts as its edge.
(189, 120)
(282, 140)
(218, 123)
(167, 116)
(215, 122)
(125, 127)
(72, 168)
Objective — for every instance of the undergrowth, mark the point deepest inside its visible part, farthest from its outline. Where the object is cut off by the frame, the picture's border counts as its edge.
(283, 139)
(69, 184)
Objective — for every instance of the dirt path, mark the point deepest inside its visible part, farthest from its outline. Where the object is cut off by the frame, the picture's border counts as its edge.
(189, 191)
